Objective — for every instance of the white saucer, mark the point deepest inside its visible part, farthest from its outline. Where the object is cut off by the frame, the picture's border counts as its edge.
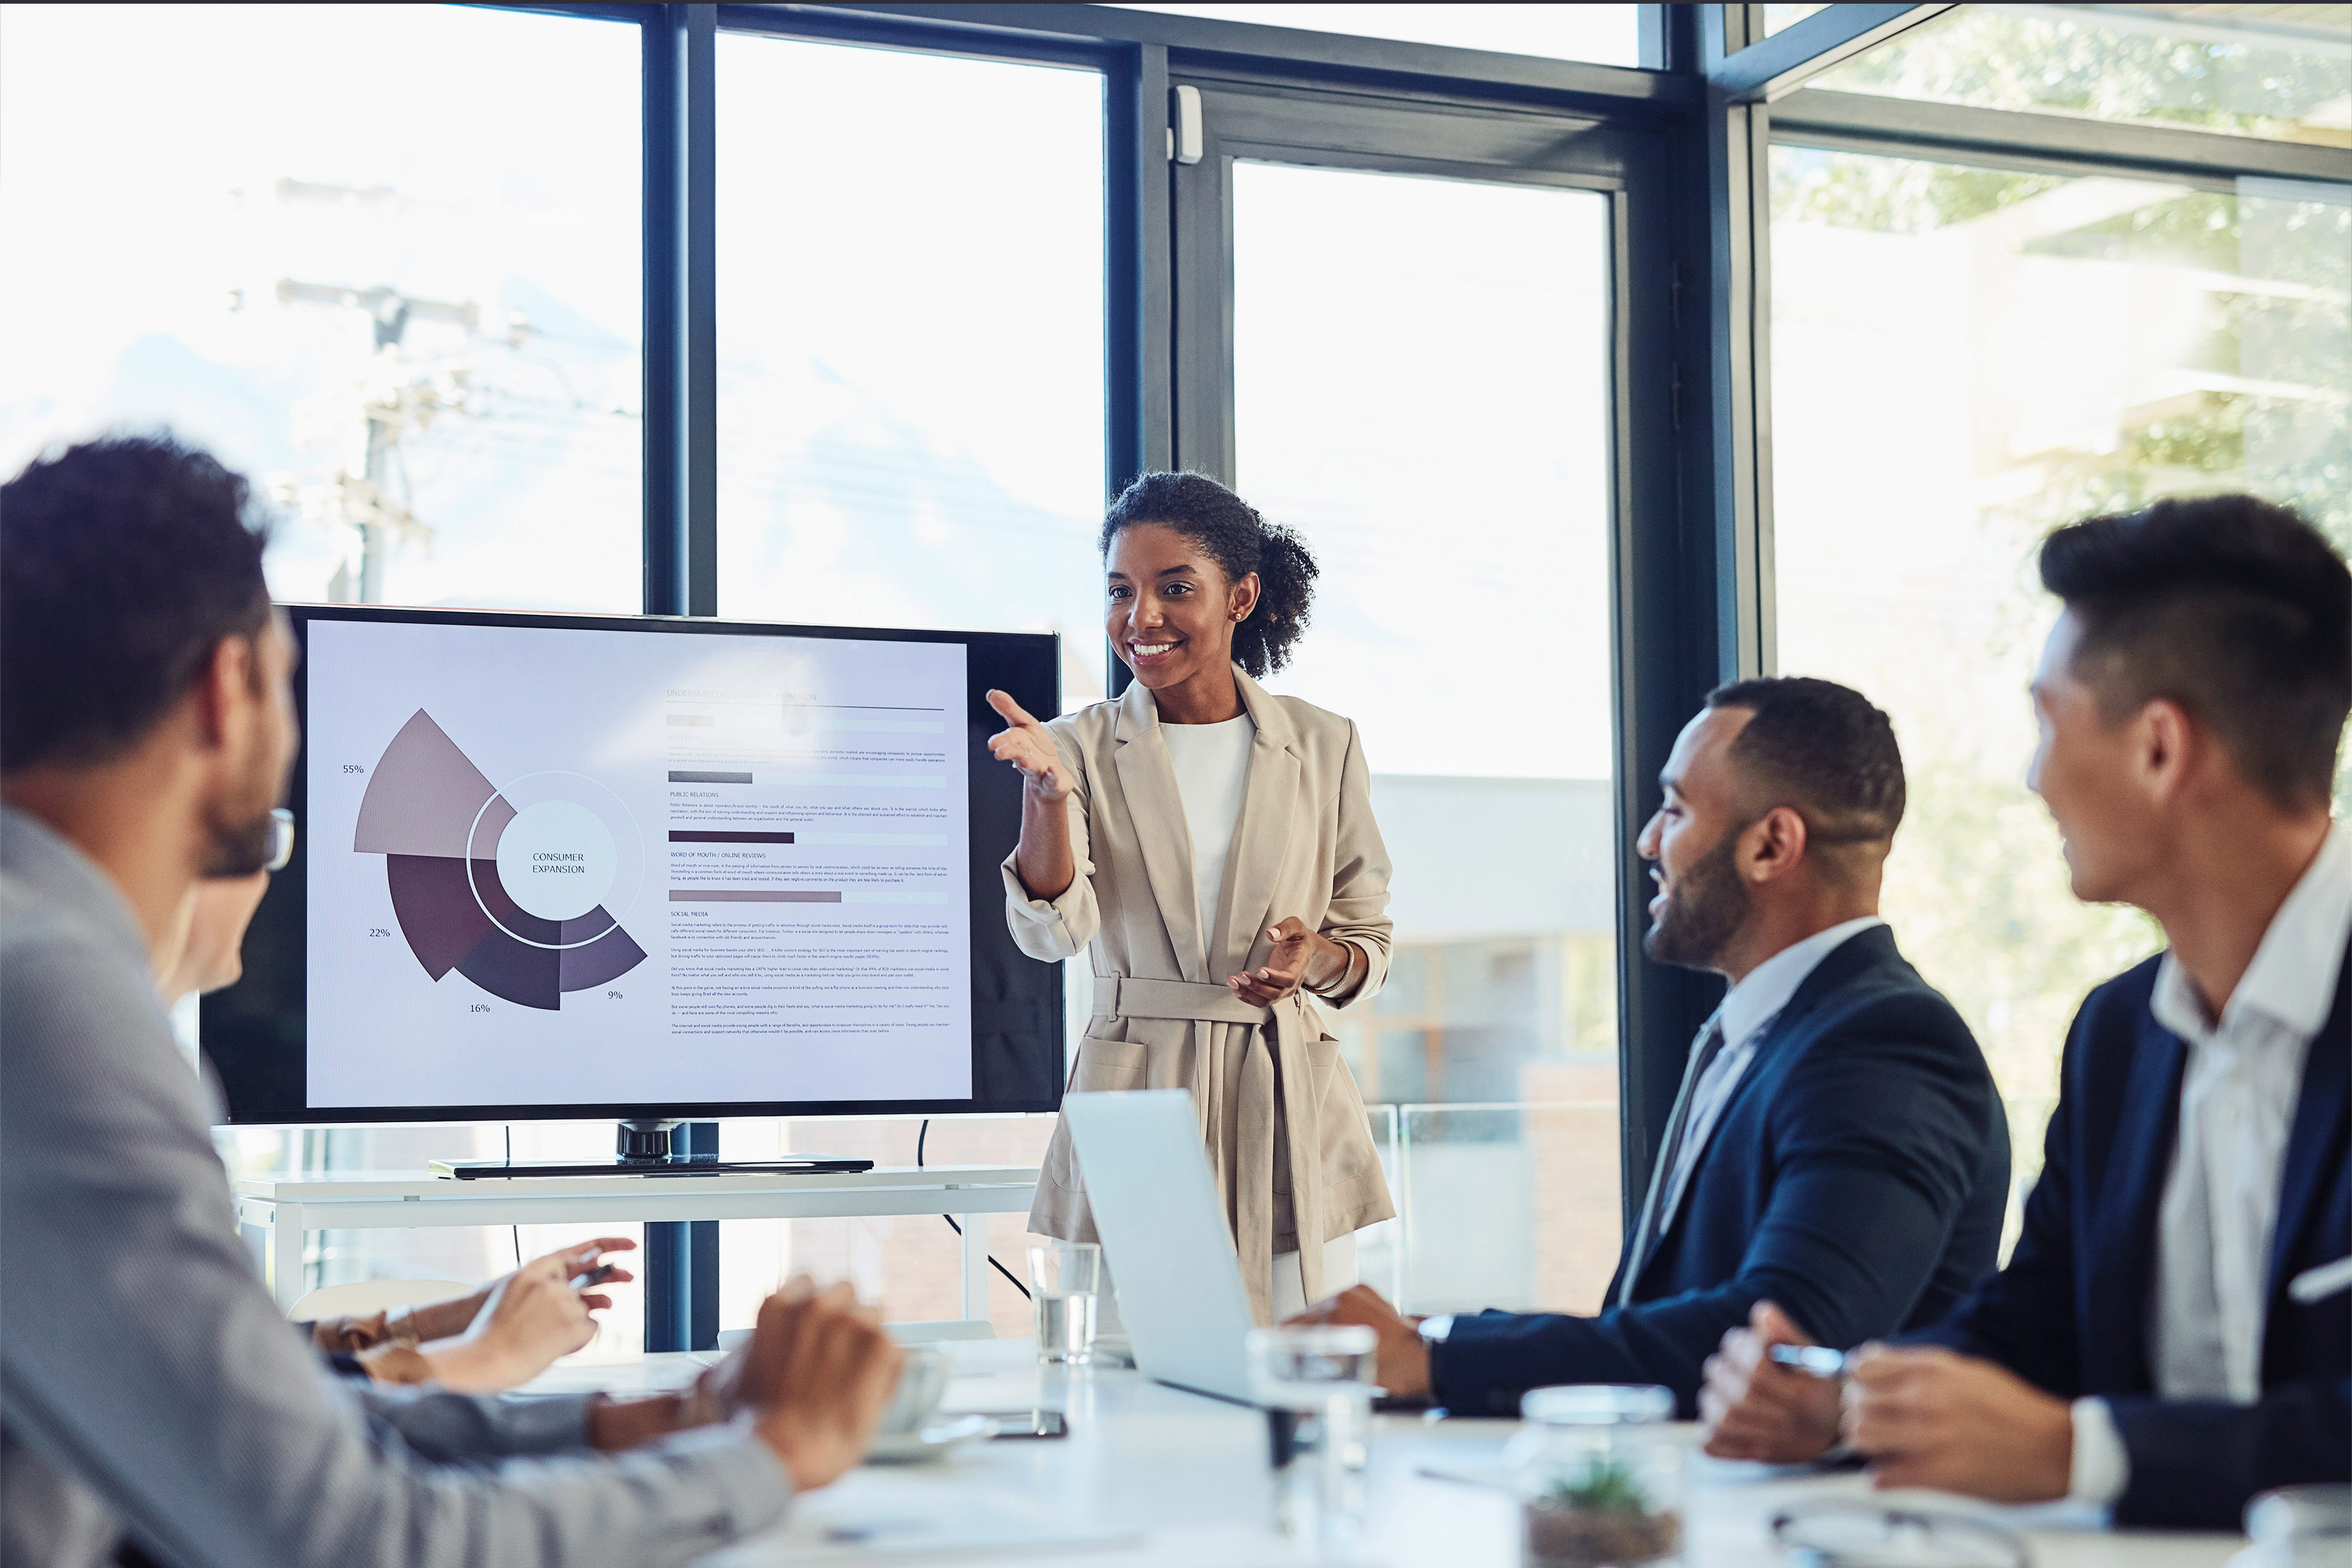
(933, 1442)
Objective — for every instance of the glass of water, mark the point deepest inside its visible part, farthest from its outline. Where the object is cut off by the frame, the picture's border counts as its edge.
(1064, 1277)
(1317, 1386)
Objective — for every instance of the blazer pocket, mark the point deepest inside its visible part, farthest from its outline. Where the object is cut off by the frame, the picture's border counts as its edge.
(1109, 1065)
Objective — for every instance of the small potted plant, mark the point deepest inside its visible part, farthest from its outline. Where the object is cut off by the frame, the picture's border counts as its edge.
(1599, 1478)
(1600, 1519)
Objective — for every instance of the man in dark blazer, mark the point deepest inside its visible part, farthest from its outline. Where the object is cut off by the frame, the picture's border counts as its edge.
(1838, 1145)
(2171, 1335)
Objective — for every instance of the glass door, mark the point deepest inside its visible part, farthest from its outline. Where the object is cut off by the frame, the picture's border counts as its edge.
(1397, 331)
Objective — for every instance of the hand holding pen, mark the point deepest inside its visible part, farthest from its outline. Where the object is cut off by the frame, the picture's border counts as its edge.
(1758, 1404)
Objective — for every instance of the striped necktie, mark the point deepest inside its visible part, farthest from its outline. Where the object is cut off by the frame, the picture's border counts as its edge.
(1704, 1050)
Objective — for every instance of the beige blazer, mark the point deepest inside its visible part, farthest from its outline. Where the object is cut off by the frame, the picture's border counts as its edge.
(1280, 1113)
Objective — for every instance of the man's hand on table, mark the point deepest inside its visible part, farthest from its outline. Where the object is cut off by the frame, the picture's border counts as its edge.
(1928, 1417)
(1755, 1408)
(818, 1372)
(1404, 1354)
(818, 1368)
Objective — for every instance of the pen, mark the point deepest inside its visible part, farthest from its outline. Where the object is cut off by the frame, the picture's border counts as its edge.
(1818, 1360)
(2320, 1283)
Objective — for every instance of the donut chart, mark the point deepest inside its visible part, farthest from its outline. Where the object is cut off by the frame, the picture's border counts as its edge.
(509, 887)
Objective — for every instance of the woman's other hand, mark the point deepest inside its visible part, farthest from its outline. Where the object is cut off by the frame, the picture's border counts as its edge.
(534, 1316)
(1029, 746)
(1300, 957)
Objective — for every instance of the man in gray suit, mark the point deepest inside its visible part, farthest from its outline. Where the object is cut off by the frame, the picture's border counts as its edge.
(153, 1404)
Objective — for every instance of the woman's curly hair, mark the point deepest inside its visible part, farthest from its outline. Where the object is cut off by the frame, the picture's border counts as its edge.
(1231, 533)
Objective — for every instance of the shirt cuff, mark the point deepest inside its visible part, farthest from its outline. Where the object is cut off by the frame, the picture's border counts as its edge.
(2102, 1467)
(752, 1482)
(1343, 990)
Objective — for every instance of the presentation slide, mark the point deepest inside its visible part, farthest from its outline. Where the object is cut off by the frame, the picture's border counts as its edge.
(554, 866)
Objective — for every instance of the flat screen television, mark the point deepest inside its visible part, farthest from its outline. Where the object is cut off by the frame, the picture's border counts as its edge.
(641, 866)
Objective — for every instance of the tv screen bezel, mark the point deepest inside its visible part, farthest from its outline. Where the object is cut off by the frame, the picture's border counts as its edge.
(255, 1033)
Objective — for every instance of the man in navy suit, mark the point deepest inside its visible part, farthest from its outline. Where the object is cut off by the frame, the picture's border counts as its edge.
(1837, 1146)
(2147, 1347)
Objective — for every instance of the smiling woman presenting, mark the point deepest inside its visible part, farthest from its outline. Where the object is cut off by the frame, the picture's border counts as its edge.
(1213, 845)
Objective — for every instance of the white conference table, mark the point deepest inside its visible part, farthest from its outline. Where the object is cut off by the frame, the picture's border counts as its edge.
(1150, 1476)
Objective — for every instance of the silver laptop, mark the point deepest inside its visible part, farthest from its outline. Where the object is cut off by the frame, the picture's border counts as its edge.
(1164, 1237)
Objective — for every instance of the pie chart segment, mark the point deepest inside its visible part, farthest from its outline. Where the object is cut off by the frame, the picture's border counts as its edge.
(527, 975)
(442, 829)
(425, 796)
(601, 962)
(436, 910)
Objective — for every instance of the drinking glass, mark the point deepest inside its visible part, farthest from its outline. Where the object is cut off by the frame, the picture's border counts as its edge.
(1064, 1277)
(1316, 1384)
(2300, 1527)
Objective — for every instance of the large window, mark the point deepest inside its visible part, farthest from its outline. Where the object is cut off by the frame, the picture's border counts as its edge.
(1963, 359)
(910, 298)
(911, 434)
(1421, 386)
(1778, 16)
(383, 259)
(2277, 71)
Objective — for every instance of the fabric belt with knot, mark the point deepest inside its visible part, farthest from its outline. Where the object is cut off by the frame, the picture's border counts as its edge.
(1242, 1092)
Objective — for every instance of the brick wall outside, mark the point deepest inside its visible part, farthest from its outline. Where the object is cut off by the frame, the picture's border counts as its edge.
(1578, 1229)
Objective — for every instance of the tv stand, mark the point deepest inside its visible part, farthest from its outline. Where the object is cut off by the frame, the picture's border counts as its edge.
(646, 1147)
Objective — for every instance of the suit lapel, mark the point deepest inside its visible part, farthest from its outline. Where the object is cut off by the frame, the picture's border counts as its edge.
(1156, 811)
(2315, 1143)
(2122, 1272)
(1840, 964)
(1254, 866)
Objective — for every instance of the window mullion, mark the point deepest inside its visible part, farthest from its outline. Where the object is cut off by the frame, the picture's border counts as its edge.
(681, 342)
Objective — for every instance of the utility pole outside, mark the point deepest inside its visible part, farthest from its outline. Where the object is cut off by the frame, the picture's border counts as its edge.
(390, 404)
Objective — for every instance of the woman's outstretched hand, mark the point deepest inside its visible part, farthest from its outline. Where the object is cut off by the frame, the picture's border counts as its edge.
(1029, 746)
(1043, 859)
(1300, 957)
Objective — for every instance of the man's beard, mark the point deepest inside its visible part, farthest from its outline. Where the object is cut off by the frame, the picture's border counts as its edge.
(241, 845)
(1705, 909)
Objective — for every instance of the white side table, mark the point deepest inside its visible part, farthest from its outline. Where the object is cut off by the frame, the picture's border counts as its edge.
(273, 1212)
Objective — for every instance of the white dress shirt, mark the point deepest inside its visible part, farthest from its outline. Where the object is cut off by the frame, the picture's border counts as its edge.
(1748, 1009)
(2220, 1200)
